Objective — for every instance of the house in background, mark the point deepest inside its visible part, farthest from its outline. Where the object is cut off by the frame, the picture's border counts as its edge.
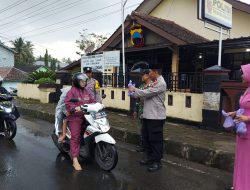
(32, 68)
(12, 76)
(58, 64)
(6, 56)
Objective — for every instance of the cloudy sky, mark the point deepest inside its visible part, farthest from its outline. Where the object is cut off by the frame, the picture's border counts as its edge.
(55, 24)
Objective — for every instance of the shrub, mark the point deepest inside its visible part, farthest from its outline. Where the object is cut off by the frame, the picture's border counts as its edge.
(32, 77)
(45, 81)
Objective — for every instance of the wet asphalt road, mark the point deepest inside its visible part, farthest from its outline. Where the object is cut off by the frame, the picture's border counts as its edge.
(32, 162)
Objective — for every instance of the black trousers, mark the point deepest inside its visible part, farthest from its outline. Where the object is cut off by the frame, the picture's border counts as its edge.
(152, 134)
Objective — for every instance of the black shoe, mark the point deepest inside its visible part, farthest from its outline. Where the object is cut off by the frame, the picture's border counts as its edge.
(146, 162)
(229, 188)
(154, 167)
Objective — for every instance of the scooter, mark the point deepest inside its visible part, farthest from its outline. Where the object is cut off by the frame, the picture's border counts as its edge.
(8, 116)
(95, 140)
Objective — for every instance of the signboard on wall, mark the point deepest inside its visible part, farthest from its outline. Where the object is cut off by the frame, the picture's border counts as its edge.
(101, 61)
(216, 11)
(95, 61)
(112, 58)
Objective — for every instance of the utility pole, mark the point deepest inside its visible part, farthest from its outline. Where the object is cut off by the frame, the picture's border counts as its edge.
(123, 3)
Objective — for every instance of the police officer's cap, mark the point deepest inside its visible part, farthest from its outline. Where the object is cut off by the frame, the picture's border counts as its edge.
(87, 69)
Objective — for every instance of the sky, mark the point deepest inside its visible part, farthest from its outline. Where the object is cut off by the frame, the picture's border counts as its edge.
(55, 24)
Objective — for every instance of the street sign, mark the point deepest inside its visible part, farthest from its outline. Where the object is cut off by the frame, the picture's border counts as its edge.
(112, 58)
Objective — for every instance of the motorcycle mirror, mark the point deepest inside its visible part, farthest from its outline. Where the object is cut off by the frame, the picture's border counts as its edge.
(103, 96)
(74, 100)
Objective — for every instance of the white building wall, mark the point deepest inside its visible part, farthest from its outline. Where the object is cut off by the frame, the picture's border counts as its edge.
(6, 57)
(7, 85)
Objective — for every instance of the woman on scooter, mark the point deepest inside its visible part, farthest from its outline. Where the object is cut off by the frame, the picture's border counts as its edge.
(76, 118)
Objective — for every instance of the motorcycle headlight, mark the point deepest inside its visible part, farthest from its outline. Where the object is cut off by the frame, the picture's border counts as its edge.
(8, 110)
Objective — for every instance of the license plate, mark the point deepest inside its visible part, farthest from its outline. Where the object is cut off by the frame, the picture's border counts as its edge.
(99, 115)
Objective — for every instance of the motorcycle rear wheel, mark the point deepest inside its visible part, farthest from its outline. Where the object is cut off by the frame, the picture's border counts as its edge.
(106, 156)
(9, 129)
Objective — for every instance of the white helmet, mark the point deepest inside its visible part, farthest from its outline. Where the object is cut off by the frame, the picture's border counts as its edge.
(1, 79)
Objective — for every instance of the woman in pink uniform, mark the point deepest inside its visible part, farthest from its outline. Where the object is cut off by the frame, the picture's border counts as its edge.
(76, 118)
(241, 178)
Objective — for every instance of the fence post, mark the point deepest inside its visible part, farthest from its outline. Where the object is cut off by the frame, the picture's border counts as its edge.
(211, 110)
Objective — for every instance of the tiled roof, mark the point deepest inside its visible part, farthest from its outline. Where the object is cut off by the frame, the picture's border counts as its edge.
(72, 65)
(12, 74)
(28, 68)
(172, 28)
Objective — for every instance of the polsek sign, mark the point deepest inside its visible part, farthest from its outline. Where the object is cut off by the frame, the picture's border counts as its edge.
(216, 11)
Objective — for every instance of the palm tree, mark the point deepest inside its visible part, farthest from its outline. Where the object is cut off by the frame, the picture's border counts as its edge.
(24, 51)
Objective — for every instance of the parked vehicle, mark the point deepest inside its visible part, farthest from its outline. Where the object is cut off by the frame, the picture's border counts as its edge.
(8, 116)
(95, 142)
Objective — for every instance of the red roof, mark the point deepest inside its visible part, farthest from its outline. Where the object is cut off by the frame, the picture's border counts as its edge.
(12, 74)
(172, 28)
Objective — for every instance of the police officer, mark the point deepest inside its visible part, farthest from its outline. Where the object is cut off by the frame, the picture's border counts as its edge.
(92, 84)
(154, 116)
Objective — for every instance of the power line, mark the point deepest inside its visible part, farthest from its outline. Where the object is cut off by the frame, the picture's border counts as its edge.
(12, 6)
(81, 22)
(40, 13)
(66, 20)
(24, 10)
(67, 8)
(72, 25)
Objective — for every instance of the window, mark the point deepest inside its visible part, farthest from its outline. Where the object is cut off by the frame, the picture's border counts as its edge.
(188, 101)
(112, 94)
(170, 100)
(123, 95)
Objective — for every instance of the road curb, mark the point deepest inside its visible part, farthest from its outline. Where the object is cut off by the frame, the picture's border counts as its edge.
(210, 157)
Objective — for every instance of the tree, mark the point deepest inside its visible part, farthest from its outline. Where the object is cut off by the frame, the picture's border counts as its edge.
(68, 60)
(90, 39)
(58, 67)
(40, 58)
(24, 51)
(53, 62)
(46, 59)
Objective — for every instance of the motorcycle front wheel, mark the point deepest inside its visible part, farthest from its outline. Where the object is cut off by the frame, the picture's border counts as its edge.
(106, 156)
(9, 129)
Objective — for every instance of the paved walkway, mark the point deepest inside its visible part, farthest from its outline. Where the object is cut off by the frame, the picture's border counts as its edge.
(203, 146)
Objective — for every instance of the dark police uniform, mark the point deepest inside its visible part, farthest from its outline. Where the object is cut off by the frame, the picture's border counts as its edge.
(154, 116)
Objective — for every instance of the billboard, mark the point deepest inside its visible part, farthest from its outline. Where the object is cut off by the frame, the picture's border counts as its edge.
(218, 12)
